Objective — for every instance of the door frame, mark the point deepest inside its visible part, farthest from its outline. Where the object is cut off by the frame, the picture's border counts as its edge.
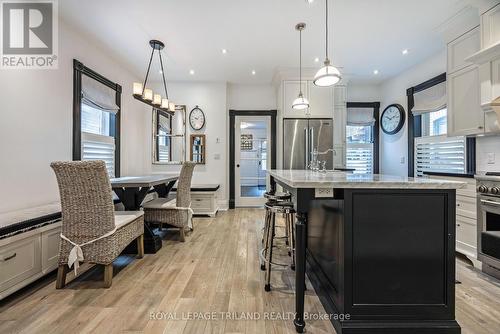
(232, 118)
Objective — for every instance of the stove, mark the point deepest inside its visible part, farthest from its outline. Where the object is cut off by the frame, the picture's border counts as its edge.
(488, 222)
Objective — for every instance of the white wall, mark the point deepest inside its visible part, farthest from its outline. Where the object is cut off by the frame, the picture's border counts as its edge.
(363, 93)
(485, 146)
(394, 149)
(251, 97)
(36, 122)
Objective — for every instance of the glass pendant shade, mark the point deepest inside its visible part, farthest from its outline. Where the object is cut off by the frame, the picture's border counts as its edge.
(327, 76)
(300, 103)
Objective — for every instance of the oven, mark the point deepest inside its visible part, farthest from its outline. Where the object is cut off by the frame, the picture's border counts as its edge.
(488, 226)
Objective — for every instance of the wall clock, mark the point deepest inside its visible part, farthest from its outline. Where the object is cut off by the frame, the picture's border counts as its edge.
(393, 119)
(197, 118)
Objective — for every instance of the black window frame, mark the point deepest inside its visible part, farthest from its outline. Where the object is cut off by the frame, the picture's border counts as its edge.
(376, 129)
(80, 69)
(415, 128)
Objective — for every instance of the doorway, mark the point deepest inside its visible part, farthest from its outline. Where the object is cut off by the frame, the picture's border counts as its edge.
(252, 153)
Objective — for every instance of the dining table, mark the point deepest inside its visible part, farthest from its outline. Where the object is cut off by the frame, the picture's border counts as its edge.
(132, 190)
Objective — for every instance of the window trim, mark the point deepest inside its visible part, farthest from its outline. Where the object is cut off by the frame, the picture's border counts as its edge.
(376, 129)
(115, 125)
(415, 128)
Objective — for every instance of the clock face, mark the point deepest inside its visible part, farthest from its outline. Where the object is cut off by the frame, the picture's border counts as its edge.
(392, 119)
(197, 118)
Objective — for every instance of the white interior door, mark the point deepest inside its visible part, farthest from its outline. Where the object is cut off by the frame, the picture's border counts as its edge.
(252, 159)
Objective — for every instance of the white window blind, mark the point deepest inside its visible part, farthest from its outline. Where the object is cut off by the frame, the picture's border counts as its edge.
(440, 154)
(359, 156)
(99, 147)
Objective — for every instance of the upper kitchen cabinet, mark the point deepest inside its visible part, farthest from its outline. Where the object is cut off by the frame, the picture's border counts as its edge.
(321, 101)
(490, 27)
(465, 116)
(290, 93)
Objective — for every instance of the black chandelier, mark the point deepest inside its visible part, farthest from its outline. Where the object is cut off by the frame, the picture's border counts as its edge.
(146, 95)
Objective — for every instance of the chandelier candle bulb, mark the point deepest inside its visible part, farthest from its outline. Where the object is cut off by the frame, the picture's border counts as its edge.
(171, 106)
(157, 99)
(164, 103)
(148, 94)
(137, 88)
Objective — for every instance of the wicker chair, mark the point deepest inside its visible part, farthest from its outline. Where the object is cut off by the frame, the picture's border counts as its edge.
(92, 231)
(176, 213)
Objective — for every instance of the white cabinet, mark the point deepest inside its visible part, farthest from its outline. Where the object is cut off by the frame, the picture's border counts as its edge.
(290, 93)
(461, 48)
(321, 101)
(465, 116)
(27, 256)
(339, 124)
(466, 219)
(490, 27)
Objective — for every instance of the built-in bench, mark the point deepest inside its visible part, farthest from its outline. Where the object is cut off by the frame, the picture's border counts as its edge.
(204, 199)
(29, 246)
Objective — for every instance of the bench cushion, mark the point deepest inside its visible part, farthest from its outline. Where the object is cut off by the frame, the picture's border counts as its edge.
(19, 221)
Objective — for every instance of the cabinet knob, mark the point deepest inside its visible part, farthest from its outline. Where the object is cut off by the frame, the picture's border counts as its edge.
(480, 127)
(458, 224)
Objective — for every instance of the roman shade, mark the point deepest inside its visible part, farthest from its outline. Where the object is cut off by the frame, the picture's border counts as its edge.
(430, 99)
(360, 117)
(98, 96)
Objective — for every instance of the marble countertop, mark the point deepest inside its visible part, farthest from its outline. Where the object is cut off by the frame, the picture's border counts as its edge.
(335, 179)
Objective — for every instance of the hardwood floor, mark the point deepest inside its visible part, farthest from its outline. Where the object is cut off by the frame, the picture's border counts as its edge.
(215, 270)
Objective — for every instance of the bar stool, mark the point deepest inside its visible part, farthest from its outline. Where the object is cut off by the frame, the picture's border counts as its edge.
(273, 196)
(273, 208)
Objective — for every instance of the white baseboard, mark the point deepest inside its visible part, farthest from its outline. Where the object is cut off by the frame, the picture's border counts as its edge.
(223, 204)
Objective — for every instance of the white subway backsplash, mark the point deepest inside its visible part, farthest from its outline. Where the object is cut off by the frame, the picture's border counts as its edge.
(488, 154)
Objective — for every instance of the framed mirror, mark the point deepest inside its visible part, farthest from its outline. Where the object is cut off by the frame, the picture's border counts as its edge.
(197, 148)
(169, 137)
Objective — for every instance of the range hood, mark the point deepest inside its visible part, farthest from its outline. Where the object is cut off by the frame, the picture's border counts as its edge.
(488, 60)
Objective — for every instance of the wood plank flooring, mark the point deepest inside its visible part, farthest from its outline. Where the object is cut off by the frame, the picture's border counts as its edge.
(215, 270)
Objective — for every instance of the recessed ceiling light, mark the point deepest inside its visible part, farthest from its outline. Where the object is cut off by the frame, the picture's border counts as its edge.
(253, 72)
(191, 72)
(309, 1)
(375, 72)
(316, 59)
(405, 51)
(224, 51)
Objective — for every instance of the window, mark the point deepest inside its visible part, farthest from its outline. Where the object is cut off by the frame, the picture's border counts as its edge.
(434, 151)
(96, 117)
(164, 124)
(359, 152)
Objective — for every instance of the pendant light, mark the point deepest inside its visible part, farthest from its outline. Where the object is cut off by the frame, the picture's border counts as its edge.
(300, 102)
(146, 95)
(328, 75)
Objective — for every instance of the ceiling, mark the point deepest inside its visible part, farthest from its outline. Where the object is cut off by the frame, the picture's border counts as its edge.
(259, 35)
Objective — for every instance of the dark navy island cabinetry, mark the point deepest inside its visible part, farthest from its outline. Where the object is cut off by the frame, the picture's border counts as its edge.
(379, 250)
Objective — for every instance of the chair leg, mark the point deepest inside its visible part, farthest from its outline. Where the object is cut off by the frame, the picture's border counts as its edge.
(265, 239)
(182, 234)
(269, 253)
(108, 275)
(62, 270)
(140, 246)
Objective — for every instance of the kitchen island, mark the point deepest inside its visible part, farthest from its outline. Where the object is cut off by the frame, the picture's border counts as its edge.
(380, 250)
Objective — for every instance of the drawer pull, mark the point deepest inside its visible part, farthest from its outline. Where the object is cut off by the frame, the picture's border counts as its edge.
(458, 224)
(458, 204)
(9, 257)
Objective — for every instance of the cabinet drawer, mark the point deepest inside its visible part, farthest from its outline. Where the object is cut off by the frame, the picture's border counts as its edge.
(467, 206)
(466, 231)
(19, 261)
(201, 203)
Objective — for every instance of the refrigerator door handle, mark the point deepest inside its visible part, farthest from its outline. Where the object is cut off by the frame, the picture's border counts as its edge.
(306, 157)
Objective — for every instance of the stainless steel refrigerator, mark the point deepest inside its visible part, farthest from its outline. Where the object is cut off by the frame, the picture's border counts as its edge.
(301, 136)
